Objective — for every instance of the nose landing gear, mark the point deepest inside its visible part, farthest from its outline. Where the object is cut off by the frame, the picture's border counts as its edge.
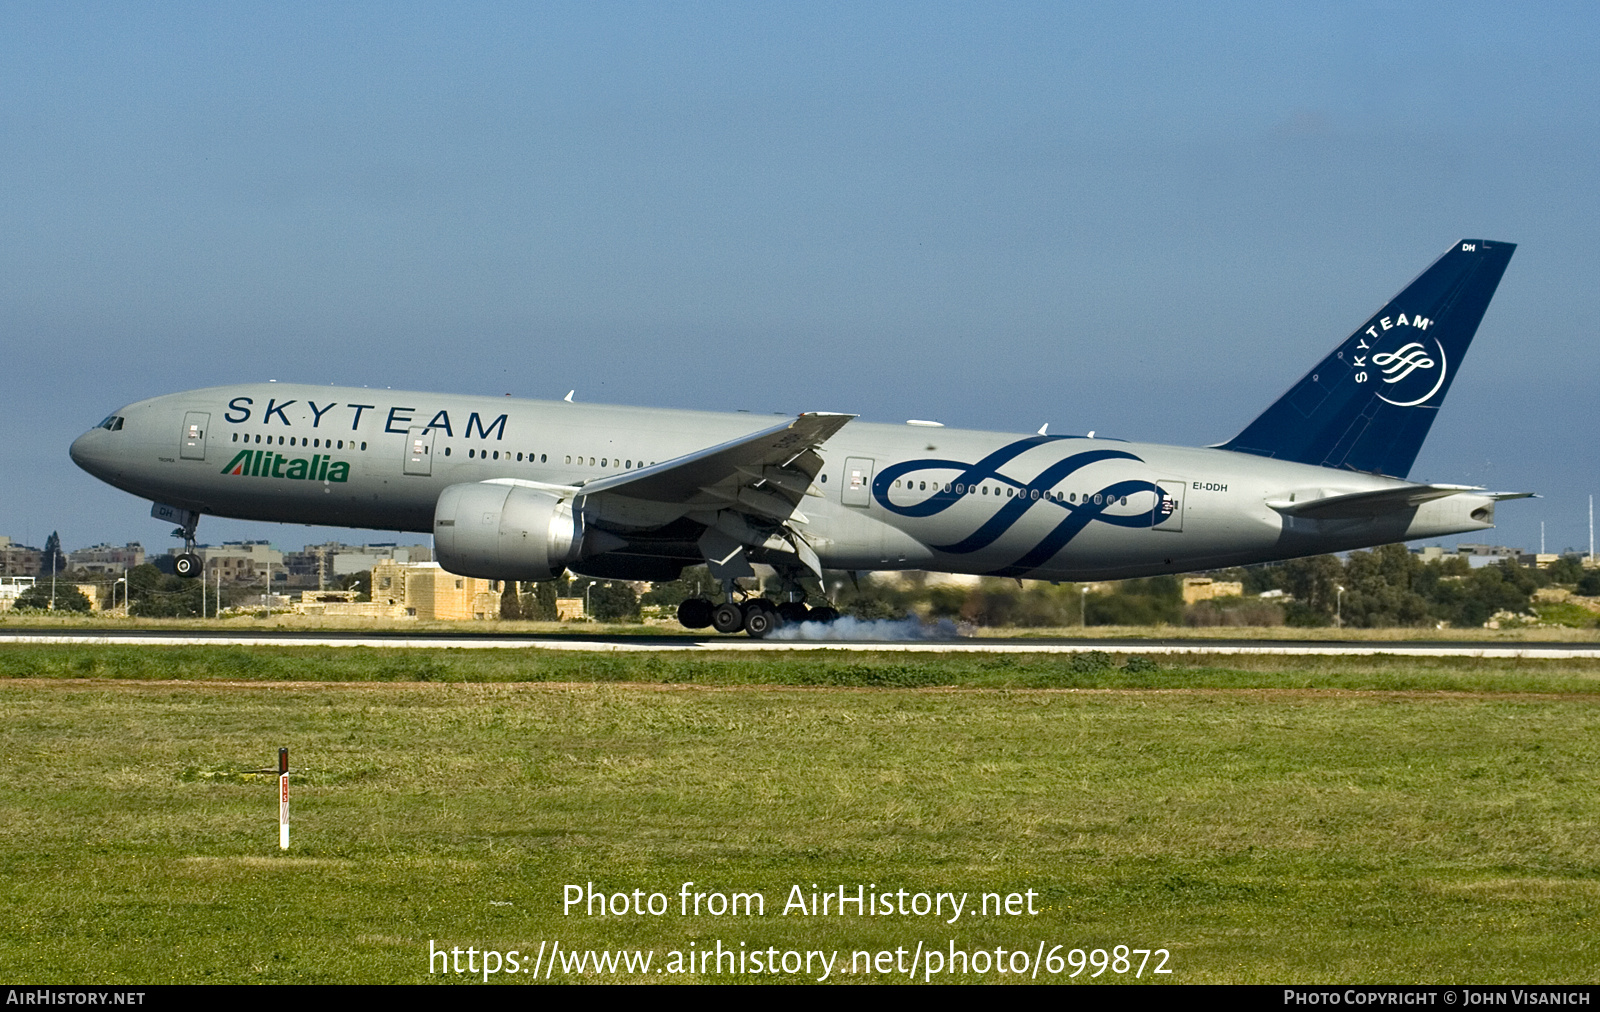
(187, 564)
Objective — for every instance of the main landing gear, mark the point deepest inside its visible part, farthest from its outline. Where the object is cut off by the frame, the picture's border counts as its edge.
(756, 616)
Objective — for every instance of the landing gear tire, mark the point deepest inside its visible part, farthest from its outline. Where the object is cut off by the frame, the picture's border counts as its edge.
(187, 565)
(758, 602)
(823, 614)
(727, 617)
(758, 622)
(695, 613)
(793, 611)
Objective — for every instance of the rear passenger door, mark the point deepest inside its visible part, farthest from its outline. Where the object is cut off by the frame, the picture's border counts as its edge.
(857, 486)
(419, 452)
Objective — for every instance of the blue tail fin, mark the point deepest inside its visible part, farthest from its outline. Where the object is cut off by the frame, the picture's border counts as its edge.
(1368, 406)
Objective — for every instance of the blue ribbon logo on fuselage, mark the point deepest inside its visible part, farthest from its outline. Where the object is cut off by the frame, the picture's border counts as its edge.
(1030, 494)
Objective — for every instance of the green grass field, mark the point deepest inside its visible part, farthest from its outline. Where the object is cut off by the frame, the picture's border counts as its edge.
(1266, 819)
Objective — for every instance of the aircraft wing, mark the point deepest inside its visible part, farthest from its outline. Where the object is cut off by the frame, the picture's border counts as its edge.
(1364, 505)
(766, 472)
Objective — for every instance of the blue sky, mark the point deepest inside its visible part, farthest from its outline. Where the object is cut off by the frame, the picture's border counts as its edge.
(1145, 221)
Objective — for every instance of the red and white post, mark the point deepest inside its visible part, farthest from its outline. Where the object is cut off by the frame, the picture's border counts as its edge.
(283, 799)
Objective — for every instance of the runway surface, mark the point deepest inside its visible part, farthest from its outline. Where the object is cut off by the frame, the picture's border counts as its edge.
(623, 644)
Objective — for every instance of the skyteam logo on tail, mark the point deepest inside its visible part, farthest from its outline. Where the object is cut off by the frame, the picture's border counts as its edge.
(1407, 365)
(1402, 363)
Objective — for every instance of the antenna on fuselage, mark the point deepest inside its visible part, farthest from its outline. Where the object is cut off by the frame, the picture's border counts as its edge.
(568, 398)
(1046, 425)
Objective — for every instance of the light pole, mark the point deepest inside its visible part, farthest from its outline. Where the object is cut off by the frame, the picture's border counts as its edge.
(1083, 607)
(1338, 607)
(124, 582)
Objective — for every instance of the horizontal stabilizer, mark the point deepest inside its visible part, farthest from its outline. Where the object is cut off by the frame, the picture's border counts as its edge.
(1365, 505)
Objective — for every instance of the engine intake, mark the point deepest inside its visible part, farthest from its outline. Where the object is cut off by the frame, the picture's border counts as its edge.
(505, 532)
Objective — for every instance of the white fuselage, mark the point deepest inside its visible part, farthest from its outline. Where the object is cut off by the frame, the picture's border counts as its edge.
(885, 497)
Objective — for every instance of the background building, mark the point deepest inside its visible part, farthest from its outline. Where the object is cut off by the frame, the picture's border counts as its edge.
(343, 604)
(1204, 588)
(11, 587)
(319, 566)
(19, 560)
(108, 559)
(423, 590)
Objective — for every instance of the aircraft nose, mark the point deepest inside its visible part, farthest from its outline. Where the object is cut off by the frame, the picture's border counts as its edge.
(84, 450)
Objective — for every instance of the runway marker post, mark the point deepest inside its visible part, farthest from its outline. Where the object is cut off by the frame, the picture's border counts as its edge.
(283, 799)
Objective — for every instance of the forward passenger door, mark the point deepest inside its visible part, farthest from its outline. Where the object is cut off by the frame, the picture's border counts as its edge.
(192, 444)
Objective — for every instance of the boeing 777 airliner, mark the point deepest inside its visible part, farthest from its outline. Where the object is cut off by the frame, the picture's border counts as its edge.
(524, 490)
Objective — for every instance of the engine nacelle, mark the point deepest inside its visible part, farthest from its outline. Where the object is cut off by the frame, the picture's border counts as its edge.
(505, 532)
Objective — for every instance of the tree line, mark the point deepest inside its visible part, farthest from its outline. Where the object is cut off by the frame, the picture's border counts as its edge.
(1388, 586)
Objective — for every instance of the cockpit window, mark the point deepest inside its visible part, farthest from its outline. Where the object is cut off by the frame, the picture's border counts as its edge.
(112, 423)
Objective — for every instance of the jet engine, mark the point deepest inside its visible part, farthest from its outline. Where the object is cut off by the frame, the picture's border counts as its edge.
(505, 532)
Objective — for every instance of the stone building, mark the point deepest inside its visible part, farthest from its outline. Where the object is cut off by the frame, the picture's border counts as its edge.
(424, 590)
